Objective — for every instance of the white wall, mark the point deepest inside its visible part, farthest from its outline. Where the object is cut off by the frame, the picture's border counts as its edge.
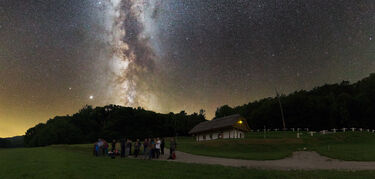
(229, 134)
(233, 134)
(226, 134)
(215, 135)
(242, 134)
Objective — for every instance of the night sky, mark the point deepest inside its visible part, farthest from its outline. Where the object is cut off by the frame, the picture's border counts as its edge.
(171, 55)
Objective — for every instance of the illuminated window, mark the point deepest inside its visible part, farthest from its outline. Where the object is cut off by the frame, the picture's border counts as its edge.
(239, 122)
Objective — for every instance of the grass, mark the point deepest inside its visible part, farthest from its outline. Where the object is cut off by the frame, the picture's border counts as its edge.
(358, 146)
(353, 146)
(76, 161)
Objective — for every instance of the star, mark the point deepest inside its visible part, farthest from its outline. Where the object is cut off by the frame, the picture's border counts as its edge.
(155, 53)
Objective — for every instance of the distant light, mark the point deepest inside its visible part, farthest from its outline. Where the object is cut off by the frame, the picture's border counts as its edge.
(70, 88)
(91, 97)
(239, 122)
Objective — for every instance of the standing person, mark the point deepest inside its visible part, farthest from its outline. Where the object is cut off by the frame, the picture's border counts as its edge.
(151, 147)
(153, 144)
(145, 148)
(172, 149)
(130, 147)
(118, 147)
(113, 145)
(157, 147)
(96, 149)
(123, 148)
(105, 147)
(100, 147)
(145, 144)
(127, 147)
(137, 147)
(162, 145)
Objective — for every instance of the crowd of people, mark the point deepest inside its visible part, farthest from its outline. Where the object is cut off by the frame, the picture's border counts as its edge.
(153, 148)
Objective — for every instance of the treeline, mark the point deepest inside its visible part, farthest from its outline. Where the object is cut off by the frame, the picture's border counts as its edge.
(326, 107)
(4, 143)
(12, 142)
(110, 122)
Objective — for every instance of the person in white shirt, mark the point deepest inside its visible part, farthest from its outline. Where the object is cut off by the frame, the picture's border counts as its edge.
(157, 147)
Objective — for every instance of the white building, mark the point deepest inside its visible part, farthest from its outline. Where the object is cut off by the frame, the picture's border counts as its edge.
(228, 127)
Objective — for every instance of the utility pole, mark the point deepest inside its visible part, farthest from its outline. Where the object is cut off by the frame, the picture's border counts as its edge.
(281, 109)
(175, 130)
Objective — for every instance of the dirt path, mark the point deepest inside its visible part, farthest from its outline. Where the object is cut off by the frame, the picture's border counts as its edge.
(299, 161)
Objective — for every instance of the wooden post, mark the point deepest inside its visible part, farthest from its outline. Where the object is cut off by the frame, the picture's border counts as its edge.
(281, 109)
(343, 129)
(334, 130)
(312, 133)
(353, 129)
(264, 132)
(297, 134)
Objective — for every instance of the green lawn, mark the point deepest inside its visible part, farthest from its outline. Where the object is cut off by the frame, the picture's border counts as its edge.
(276, 145)
(76, 161)
(359, 146)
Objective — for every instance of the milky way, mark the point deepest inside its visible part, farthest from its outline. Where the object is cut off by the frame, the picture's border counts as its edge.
(168, 55)
(132, 57)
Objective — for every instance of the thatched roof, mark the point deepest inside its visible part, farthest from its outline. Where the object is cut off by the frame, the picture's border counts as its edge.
(221, 123)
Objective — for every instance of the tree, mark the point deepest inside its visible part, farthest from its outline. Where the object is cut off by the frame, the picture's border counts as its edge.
(328, 106)
(224, 111)
(110, 122)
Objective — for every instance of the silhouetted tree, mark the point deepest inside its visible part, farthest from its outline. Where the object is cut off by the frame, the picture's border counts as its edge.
(329, 106)
(110, 122)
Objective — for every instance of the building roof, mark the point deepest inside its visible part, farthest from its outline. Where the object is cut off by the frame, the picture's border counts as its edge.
(220, 123)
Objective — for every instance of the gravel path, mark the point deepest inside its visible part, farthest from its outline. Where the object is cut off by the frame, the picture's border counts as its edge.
(302, 160)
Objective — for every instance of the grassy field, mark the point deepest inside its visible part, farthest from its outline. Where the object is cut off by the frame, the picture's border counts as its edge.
(76, 161)
(276, 145)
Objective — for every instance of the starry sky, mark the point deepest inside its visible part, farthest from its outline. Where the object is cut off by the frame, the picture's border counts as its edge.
(171, 55)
